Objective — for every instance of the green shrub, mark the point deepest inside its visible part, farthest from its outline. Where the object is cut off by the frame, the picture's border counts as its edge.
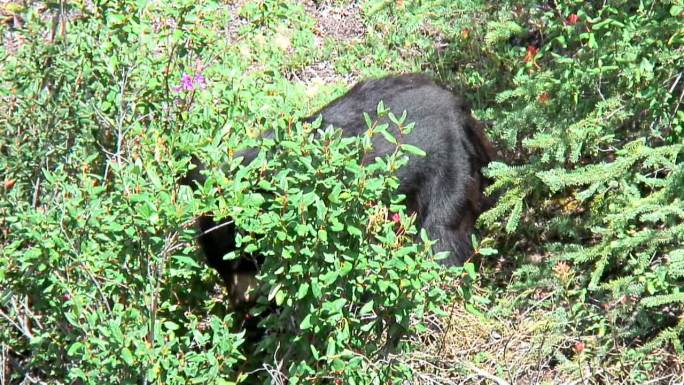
(95, 283)
(585, 97)
(348, 279)
(100, 281)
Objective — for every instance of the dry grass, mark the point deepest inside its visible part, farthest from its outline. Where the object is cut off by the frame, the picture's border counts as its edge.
(525, 348)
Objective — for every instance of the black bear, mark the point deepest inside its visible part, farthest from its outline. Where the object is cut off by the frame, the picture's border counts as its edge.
(444, 188)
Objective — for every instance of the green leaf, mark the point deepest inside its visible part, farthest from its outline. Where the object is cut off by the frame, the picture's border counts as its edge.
(274, 290)
(280, 297)
(302, 229)
(397, 121)
(306, 323)
(154, 178)
(413, 150)
(303, 290)
(355, 231)
(334, 195)
(383, 285)
(469, 268)
(323, 235)
(345, 268)
(186, 261)
(387, 135)
(127, 356)
(314, 352)
(472, 309)
(486, 251)
(330, 277)
(367, 308)
(367, 327)
(335, 307)
(170, 325)
(74, 349)
(367, 119)
(316, 289)
(380, 109)
(331, 348)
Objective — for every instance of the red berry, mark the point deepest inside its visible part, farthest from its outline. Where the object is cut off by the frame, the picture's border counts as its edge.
(9, 183)
(573, 19)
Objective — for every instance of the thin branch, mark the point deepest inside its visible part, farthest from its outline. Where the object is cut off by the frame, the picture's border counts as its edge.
(214, 228)
(679, 101)
(120, 132)
(36, 193)
(24, 330)
(674, 84)
(487, 375)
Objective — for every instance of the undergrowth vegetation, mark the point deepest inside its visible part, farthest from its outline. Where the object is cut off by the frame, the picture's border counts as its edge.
(586, 103)
(103, 103)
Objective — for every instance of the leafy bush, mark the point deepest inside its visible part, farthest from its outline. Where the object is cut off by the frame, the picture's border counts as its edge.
(99, 278)
(92, 264)
(343, 269)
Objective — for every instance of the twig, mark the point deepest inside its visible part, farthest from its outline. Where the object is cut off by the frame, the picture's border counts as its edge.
(674, 85)
(658, 380)
(156, 274)
(36, 193)
(23, 331)
(3, 364)
(120, 132)
(679, 101)
(214, 228)
(77, 250)
(63, 21)
(487, 375)
(30, 380)
(276, 372)
(28, 312)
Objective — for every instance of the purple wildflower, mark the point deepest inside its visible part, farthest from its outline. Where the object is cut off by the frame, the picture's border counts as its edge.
(200, 81)
(191, 83)
(186, 82)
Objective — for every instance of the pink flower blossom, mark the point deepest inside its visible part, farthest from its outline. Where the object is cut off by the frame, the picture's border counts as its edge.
(191, 83)
(200, 81)
(186, 82)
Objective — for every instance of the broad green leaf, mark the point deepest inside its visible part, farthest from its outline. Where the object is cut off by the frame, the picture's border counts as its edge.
(413, 150)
